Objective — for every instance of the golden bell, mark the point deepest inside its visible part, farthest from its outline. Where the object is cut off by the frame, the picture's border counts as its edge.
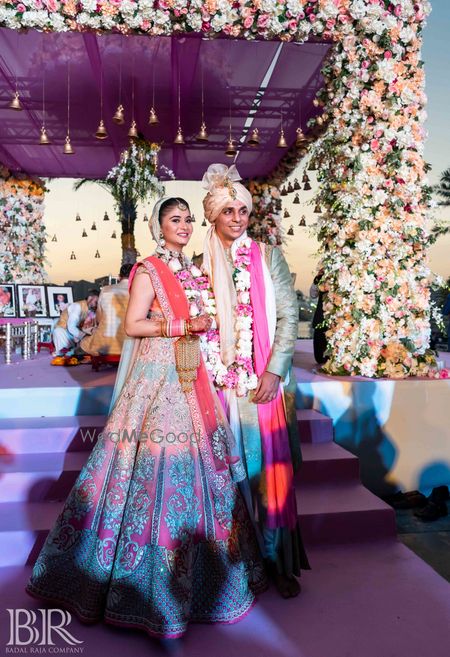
(291, 230)
(204, 223)
(54, 238)
(43, 139)
(73, 256)
(153, 118)
(307, 187)
(193, 219)
(317, 209)
(15, 103)
(254, 138)
(286, 214)
(93, 227)
(302, 221)
(179, 139)
(296, 199)
(84, 234)
(231, 149)
(97, 254)
(283, 191)
(290, 188)
(118, 116)
(78, 218)
(145, 218)
(202, 135)
(312, 166)
(101, 131)
(133, 131)
(282, 143)
(300, 137)
(305, 178)
(68, 150)
(296, 185)
(105, 217)
(114, 235)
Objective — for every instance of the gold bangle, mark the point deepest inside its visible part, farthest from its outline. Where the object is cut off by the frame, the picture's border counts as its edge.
(188, 327)
(163, 328)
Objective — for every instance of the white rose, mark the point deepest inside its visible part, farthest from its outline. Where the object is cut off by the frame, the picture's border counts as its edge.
(195, 271)
(174, 265)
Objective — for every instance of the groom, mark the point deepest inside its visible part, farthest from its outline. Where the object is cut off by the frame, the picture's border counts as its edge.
(250, 357)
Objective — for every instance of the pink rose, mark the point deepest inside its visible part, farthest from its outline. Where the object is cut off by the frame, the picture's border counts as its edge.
(374, 144)
(21, 8)
(248, 22)
(444, 374)
(263, 21)
(387, 54)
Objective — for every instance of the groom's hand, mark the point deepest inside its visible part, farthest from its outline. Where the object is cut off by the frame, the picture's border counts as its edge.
(267, 388)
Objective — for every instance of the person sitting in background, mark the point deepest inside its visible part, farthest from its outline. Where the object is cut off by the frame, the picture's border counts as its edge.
(109, 334)
(75, 321)
(446, 312)
(319, 337)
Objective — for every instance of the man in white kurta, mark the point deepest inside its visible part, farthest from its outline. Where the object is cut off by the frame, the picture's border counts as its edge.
(72, 325)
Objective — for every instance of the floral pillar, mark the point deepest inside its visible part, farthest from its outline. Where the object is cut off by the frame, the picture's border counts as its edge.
(374, 231)
(22, 230)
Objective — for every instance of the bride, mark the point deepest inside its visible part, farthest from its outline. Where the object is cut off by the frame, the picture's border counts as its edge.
(155, 532)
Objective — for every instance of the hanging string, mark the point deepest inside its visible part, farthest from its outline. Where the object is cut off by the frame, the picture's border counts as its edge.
(68, 98)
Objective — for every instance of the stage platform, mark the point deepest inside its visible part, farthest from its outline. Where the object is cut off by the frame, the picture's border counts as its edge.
(367, 595)
(399, 430)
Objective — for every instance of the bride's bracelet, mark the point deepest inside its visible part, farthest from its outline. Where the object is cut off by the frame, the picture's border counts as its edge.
(175, 328)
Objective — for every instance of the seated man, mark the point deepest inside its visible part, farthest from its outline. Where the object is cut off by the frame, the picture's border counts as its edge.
(75, 322)
(108, 335)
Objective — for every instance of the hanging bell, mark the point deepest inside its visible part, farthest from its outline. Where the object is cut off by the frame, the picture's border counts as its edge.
(101, 131)
(300, 139)
(254, 138)
(296, 185)
(15, 103)
(307, 187)
(43, 139)
(296, 199)
(97, 254)
(317, 209)
(119, 117)
(73, 256)
(204, 223)
(78, 218)
(202, 135)
(93, 227)
(84, 234)
(54, 238)
(114, 236)
(179, 139)
(312, 166)
(105, 217)
(133, 131)
(282, 143)
(305, 178)
(68, 150)
(145, 218)
(231, 148)
(290, 188)
(283, 191)
(302, 221)
(291, 230)
(193, 218)
(153, 118)
(286, 214)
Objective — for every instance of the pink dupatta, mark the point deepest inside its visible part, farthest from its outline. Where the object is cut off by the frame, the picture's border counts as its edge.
(278, 468)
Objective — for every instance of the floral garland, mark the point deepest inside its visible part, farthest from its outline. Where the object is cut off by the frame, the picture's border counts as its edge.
(22, 230)
(265, 221)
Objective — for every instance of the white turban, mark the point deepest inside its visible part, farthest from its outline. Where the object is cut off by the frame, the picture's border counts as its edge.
(222, 185)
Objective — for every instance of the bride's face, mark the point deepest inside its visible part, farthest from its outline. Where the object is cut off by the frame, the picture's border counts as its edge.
(232, 222)
(176, 227)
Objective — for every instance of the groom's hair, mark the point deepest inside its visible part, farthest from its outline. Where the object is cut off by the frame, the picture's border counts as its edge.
(173, 202)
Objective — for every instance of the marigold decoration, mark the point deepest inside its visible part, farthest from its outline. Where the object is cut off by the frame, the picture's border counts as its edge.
(22, 229)
(373, 191)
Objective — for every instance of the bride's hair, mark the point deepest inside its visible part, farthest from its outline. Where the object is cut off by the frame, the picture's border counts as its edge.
(175, 202)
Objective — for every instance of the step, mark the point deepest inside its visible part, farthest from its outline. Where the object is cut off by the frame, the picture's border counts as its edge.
(36, 477)
(314, 427)
(35, 435)
(342, 513)
(327, 463)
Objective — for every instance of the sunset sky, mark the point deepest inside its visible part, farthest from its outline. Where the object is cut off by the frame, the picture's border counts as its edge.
(62, 203)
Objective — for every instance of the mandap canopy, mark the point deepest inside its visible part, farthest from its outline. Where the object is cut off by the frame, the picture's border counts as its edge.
(347, 72)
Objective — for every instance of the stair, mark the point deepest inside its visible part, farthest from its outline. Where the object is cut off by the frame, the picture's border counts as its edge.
(40, 459)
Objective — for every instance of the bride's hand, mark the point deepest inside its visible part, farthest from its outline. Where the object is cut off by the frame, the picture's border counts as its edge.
(200, 324)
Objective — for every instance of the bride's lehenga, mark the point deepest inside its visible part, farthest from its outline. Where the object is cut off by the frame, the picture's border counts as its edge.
(153, 534)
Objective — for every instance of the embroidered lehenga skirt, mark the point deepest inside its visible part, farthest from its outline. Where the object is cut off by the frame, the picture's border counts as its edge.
(147, 537)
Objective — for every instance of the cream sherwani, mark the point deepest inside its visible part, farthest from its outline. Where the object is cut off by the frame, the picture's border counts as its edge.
(109, 334)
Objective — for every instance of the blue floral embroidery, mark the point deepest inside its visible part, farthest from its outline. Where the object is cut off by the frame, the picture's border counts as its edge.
(183, 513)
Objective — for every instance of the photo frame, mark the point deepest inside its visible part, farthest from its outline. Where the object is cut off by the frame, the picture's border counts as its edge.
(59, 297)
(32, 300)
(8, 305)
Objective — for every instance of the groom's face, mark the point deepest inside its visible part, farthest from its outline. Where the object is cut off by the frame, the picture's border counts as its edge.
(232, 222)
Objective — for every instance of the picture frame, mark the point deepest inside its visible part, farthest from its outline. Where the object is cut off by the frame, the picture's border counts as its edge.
(8, 304)
(32, 300)
(59, 297)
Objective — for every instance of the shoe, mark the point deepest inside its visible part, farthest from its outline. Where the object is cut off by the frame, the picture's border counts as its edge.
(432, 511)
(71, 361)
(58, 360)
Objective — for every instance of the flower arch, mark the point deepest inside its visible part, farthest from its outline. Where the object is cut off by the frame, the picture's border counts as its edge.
(373, 189)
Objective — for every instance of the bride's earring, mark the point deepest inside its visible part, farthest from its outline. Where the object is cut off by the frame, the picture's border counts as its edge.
(162, 241)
